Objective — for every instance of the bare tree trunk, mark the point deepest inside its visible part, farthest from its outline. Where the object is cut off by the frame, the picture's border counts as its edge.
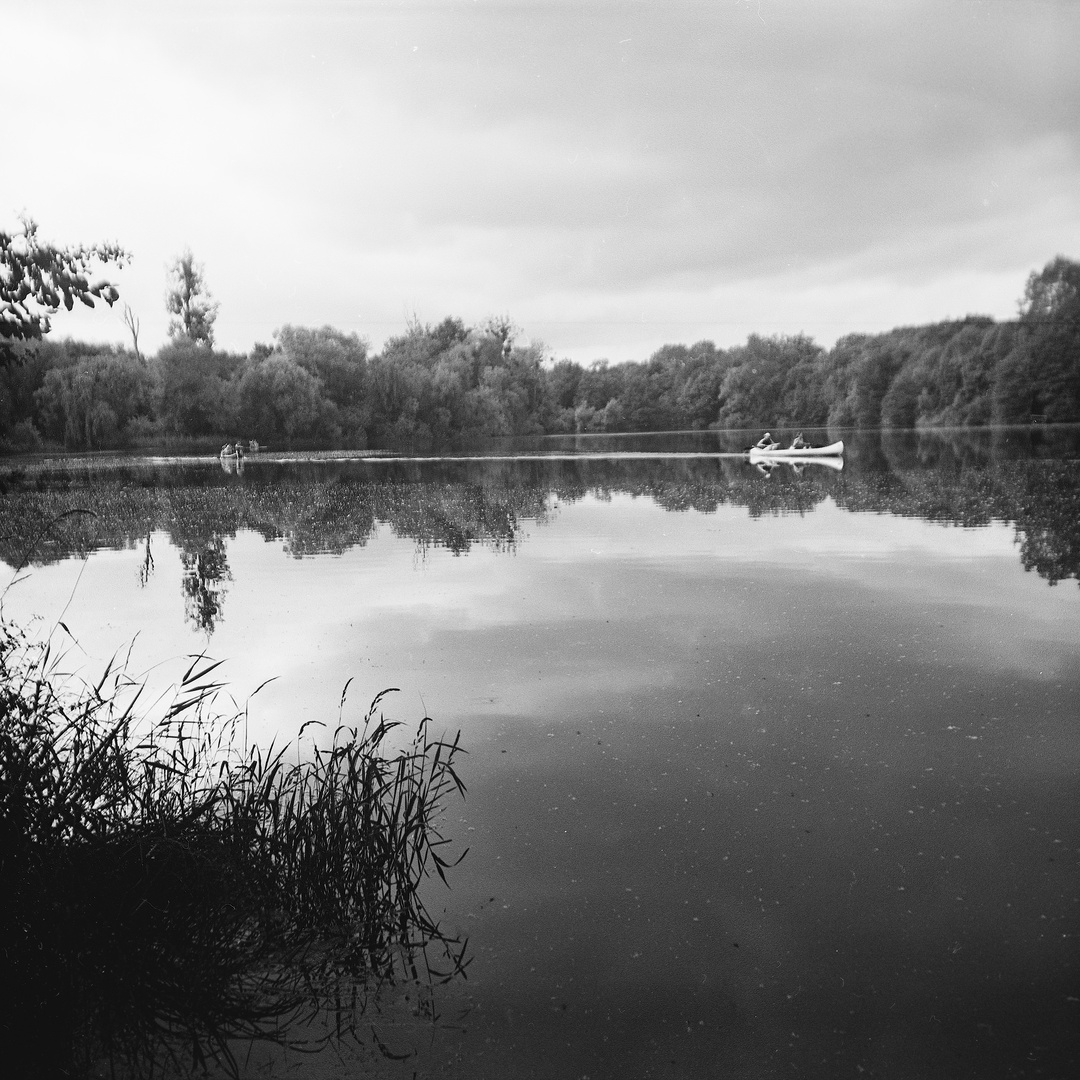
(132, 323)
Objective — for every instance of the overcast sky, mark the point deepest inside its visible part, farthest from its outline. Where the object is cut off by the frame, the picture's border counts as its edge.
(611, 175)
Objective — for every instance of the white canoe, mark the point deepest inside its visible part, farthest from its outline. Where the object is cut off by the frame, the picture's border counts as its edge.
(779, 454)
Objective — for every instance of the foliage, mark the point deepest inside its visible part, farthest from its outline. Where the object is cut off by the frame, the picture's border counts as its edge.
(449, 385)
(92, 402)
(1052, 295)
(283, 402)
(446, 385)
(205, 574)
(167, 889)
(37, 278)
(1050, 318)
(455, 505)
(197, 396)
(767, 384)
(309, 388)
(189, 301)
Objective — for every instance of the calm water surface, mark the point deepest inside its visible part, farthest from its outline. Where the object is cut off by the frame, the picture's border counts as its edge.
(769, 775)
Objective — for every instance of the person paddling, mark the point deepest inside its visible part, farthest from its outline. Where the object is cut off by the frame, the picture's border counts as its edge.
(799, 443)
(765, 442)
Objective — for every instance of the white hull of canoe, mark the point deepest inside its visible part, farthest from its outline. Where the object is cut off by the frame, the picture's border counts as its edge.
(805, 453)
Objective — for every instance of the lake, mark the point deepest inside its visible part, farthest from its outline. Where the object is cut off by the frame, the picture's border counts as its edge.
(771, 773)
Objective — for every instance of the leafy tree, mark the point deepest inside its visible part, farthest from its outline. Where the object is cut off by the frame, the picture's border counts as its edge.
(189, 300)
(638, 401)
(970, 359)
(839, 378)
(339, 362)
(422, 344)
(448, 333)
(196, 395)
(526, 398)
(503, 329)
(874, 372)
(90, 403)
(281, 400)
(1050, 318)
(700, 378)
(19, 382)
(858, 373)
(908, 395)
(753, 390)
(946, 385)
(1052, 296)
(600, 382)
(445, 385)
(394, 388)
(37, 278)
(802, 397)
(564, 378)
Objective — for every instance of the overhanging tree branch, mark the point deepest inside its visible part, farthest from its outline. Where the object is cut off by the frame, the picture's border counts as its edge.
(37, 278)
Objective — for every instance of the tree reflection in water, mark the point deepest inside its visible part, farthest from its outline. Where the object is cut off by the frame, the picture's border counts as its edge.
(1028, 477)
(146, 570)
(206, 569)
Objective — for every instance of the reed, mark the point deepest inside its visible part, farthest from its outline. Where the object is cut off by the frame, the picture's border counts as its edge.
(166, 890)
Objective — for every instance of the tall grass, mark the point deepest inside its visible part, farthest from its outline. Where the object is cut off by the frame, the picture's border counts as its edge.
(166, 890)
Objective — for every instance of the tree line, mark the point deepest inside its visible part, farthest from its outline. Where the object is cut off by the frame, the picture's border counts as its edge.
(446, 385)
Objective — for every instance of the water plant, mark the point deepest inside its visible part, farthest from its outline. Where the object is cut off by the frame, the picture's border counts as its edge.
(167, 890)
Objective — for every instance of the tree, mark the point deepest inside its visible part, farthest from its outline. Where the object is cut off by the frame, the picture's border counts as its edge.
(90, 403)
(189, 300)
(1053, 295)
(338, 361)
(503, 329)
(196, 396)
(1050, 317)
(36, 278)
(280, 399)
(131, 321)
(765, 370)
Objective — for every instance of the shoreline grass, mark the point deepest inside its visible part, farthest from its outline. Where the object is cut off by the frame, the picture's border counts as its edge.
(166, 890)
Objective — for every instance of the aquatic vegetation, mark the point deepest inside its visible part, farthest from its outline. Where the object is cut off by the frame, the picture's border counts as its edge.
(1023, 476)
(166, 889)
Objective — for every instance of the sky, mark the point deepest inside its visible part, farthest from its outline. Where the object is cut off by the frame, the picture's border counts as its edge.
(613, 176)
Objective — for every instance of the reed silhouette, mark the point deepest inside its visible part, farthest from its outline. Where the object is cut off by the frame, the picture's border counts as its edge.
(167, 890)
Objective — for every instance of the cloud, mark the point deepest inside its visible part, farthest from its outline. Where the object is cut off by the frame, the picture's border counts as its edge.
(590, 164)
